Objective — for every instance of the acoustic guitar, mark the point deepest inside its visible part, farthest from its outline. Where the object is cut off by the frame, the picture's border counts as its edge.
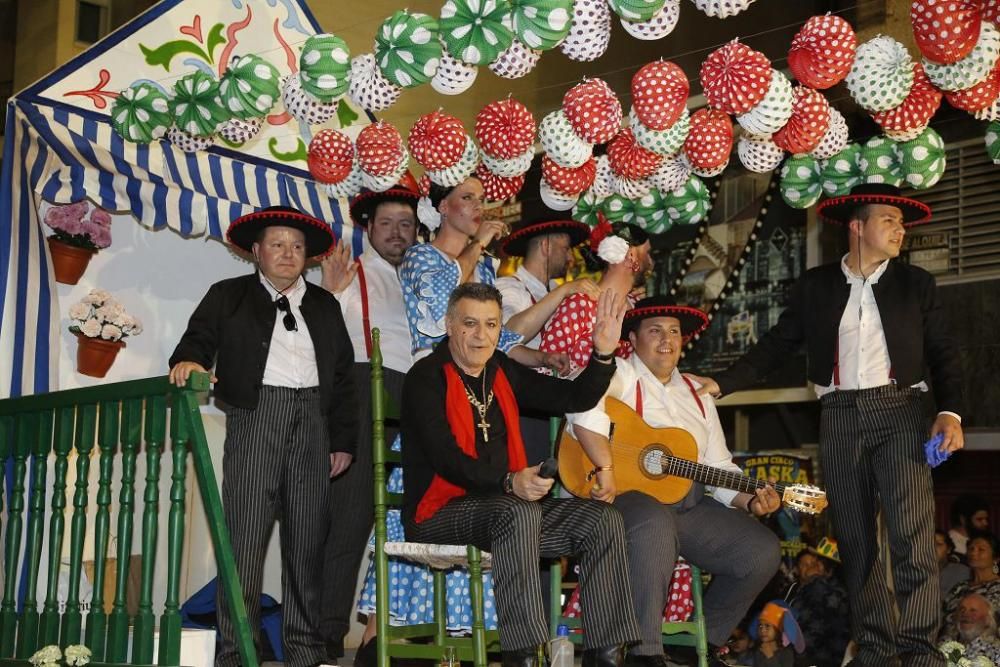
(663, 463)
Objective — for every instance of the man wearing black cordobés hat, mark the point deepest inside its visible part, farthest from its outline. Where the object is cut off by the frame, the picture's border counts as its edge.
(870, 324)
(283, 364)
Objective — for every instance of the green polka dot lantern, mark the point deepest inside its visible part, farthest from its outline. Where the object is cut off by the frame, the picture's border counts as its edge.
(993, 141)
(197, 106)
(882, 74)
(688, 204)
(924, 160)
(841, 171)
(800, 181)
(650, 213)
(661, 142)
(141, 113)
(586, 209)
(250, 87)
(541, 24)
(476, 31)
(407, 49)
(618, 209)
(636, 10)
(881, 162)
(325, 67)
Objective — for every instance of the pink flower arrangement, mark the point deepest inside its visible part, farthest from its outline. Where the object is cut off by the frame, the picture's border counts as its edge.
(100, 315)
(73, 225)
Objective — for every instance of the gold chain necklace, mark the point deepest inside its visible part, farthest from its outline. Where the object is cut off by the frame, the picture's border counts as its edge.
(480, 407)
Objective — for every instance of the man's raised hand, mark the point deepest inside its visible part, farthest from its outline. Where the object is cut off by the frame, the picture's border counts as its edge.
(608, 327)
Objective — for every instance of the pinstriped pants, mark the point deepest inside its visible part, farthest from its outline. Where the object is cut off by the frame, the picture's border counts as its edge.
(276, 466)
(519, 533)
(871, 448)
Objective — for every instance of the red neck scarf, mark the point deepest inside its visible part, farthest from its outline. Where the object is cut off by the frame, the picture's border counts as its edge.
(459, 414)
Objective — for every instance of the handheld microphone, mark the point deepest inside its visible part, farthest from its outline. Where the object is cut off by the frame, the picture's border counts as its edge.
(549, 468)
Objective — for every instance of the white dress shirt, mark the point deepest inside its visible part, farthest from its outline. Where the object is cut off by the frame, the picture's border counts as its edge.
(670, 404)
(291, 357)
(386, 312)
(520, 292)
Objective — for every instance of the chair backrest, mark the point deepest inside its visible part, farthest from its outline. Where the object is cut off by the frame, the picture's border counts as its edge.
(383, 458)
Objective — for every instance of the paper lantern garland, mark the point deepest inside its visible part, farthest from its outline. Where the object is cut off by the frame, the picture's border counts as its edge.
(541, 24)
(808, 123)
(437, 141)
(250, 87)
(881, 162)
(688, 204)
(659, 94)
(650, 213)
(842, 171)
(773, 111)
(515, 61)
(476, 31)
(992, 139)
(604, 179)
(590, 31)
(380, 149)
(973, 68)
(569, 182)
(460, 170)
(632, 188)
(498, 188)
(666, 142)
(881, 75)
(629, 159)
(923, 160)
(722, 8)
(587, 208)
(801, 181)
(561, 143)
(834, 139)
(331, 156)
(822, 51)
(617, 208)
(407, 48)
(593, 111)
(735, 78)
(141, 113)
(673, 173)
(369, 88)
(236, 131)
(916, 109)
(349, 186)
(979, 96)
(187, 142)
(304, 106)
(759, 154)
(325, 67)
(659, 26)
(453, 77)
(710, 140)
(505, 129)
(945, 30)
(636, 10)
(197, 106)
(553, 199)
(515, 166)
(381, 183)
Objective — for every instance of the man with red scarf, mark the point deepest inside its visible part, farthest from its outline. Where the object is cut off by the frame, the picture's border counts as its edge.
(467, 480)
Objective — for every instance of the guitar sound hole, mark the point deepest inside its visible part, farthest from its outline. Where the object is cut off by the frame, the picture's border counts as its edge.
(651, 461)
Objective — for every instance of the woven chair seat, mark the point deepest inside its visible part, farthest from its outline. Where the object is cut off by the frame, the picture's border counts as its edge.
(437, 556)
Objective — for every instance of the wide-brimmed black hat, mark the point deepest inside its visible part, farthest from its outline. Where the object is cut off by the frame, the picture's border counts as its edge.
(516, 245)
(692, 320)
(840, 209)
(243, 231)
(363, 205)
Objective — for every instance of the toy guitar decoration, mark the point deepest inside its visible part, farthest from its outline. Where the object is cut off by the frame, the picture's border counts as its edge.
(663, 462)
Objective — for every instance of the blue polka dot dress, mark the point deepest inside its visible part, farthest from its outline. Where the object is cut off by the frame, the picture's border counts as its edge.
(411, 587)
(428, 276)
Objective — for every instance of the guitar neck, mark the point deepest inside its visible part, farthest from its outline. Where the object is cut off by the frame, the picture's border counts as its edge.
(710, 476)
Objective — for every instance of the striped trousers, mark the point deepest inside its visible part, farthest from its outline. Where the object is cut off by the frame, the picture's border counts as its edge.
(519, 533)
(352, 513)
(276, 466)
(871, 449)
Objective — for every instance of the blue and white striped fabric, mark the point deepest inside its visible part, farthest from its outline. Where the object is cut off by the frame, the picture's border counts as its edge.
(54, 153)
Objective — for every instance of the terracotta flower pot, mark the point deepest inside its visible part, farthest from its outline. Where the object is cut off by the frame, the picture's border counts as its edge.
(94, 356)
(68, 261)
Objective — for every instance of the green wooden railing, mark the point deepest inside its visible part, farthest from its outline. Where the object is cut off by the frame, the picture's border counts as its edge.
(125, 420)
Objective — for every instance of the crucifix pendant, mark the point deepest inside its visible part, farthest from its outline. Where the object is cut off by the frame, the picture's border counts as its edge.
(484, 425)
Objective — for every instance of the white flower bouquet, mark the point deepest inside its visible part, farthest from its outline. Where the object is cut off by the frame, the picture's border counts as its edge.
(76, 655)
(100, 315)
(954, 653)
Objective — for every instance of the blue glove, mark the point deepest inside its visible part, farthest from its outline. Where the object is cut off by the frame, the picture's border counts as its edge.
(932, 449)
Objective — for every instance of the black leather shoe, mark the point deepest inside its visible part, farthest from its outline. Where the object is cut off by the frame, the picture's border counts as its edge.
(658, 660)
(367, 654)
(526, 657)
(606, 656)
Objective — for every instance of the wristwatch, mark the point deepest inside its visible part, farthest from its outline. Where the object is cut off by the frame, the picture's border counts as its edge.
(508, 483)
(603, 358)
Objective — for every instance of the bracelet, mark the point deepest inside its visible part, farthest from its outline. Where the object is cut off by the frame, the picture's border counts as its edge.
(749, 503)
(596, 469)
(605, 358)
(508, 483)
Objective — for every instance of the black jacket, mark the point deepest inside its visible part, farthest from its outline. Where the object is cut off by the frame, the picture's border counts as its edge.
(232, 328)
(912, 319)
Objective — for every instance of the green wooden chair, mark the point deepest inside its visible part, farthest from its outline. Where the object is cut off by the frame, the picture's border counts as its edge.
(692, 632)
(428, 641)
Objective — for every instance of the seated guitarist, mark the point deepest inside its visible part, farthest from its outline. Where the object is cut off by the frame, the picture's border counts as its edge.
(714, 531)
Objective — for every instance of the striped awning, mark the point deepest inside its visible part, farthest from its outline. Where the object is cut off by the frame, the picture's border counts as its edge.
(61, 154)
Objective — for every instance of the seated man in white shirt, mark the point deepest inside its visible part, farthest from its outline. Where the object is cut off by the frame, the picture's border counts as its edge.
(370, 296)
(714, 531)
(530, 296)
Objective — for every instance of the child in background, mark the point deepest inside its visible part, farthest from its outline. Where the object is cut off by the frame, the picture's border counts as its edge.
(740, 648)
(775, 631)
